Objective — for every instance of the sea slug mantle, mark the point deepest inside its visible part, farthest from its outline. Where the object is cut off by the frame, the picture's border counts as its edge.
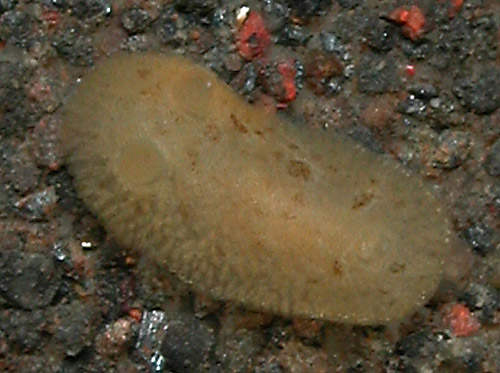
(245, 206)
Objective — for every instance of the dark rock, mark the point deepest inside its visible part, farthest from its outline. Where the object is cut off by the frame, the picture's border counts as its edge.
(166, 27)
(472, 362)
(65, 191)
(492, 162)
(293, 35)
(349, 4)
(332, 44)
(344, 24)
(420, 343)
(462, 38)
(277, 14)
(237, 350)
(246, 79)
(377, 74)
(5, 203)
(440, 59)
(7, 5)
(485, 30)
(220, 16)
(39, 363)
(453, 45)
(380, 35)
(480, 94)
(494, 194)
(187, 344)
(423, 91)
(400, 365)
(308, 8)
(116, 302)
(28, 280)
(75, 326)
(333, 86)
(481, 237)
(356, 367)
(444, 112)
(75, 46)
(416, 51)
(23, 329)
(16, 28)
(13, 114)
(267, 364)
(18, 170)
(412, 106)
(135, 20)
(483, 300)
(4, 346)
(363, 135)
(200, 7)
(90, 8)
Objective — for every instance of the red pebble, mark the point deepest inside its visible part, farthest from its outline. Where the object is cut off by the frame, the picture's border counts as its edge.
(410, 70)
(287, 72)
(400, 15)
(414, 27)
(135, 314)
(413, 20)
(455, 7)
(461, 320)
(51, 17)
(54, 166)
(253, 39)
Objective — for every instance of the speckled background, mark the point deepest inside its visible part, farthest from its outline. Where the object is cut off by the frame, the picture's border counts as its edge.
(417, 79)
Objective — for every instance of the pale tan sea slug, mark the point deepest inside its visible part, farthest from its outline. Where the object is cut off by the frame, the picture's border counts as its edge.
(245, 206)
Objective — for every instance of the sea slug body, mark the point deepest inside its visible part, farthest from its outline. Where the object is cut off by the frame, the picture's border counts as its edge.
(245, 206)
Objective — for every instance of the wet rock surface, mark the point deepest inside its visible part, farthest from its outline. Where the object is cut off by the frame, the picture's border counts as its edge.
(28, 280)
(187, 344)
(74, 326)
(480, 94)
(23, 329)
(492, 162)
(426, 93)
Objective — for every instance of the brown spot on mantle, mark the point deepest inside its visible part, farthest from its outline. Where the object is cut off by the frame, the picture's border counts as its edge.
(298, 168)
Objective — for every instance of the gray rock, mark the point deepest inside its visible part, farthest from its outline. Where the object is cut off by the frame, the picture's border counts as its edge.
(28, 280)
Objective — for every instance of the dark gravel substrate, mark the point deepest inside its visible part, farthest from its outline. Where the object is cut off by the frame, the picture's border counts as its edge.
(424, 90)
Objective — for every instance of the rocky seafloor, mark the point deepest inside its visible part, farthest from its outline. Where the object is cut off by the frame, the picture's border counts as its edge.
(418, 80)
